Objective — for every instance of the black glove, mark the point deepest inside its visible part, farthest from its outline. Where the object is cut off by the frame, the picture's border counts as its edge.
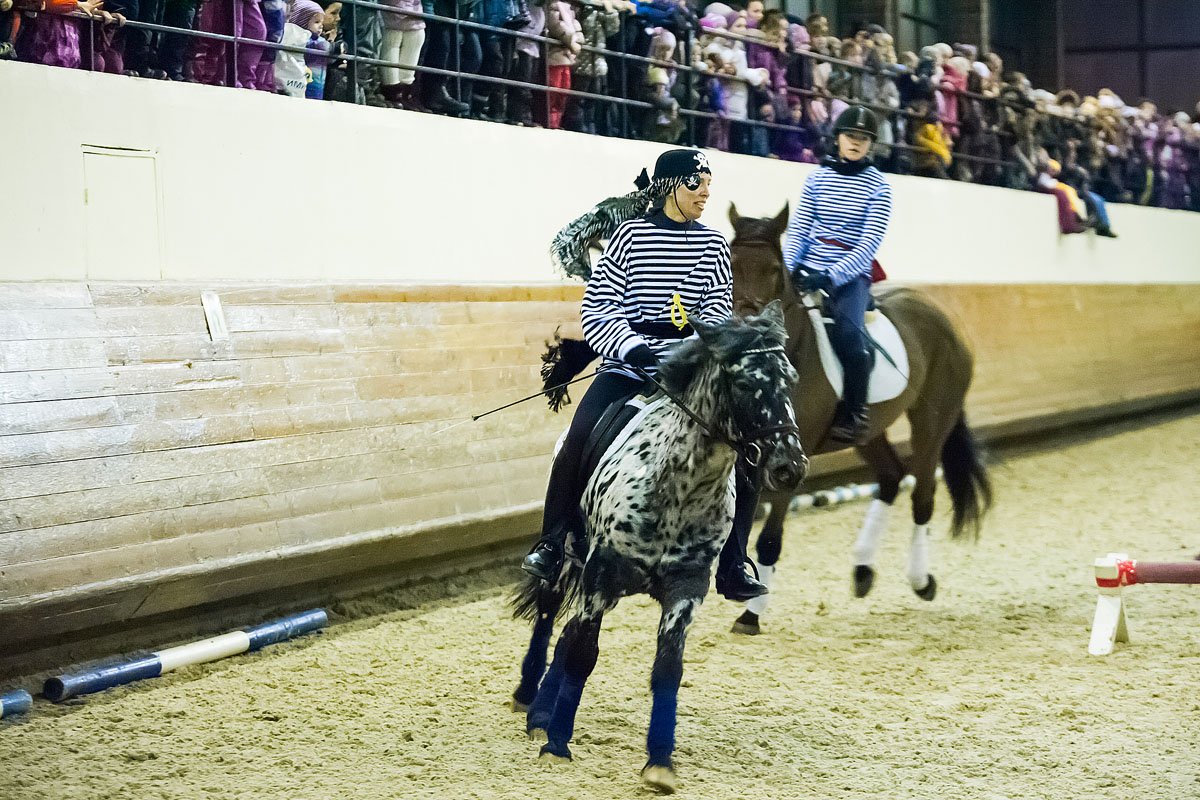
(642, 357)
(807, 281)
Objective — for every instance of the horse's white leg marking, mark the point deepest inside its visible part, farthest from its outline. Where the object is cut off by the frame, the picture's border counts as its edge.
(874, 526)
(758, 605)
(918, 558)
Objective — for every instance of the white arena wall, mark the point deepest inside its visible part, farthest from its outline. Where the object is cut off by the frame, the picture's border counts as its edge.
(247, 186)
(380, 275)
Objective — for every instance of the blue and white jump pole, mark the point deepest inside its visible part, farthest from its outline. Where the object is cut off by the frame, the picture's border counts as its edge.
(106, 676)
(15, 702)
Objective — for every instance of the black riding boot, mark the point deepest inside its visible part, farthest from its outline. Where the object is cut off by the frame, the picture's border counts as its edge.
(734, 582)
(851, 421)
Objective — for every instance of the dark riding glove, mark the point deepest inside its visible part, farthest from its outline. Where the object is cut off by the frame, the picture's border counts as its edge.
(807, 281)
(642, 357)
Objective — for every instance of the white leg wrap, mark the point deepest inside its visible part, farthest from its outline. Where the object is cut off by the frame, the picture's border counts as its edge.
(758, 605)
(874, 526)
(918, 558)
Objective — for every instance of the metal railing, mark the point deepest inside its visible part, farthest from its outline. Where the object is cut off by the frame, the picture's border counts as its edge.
(354, 62)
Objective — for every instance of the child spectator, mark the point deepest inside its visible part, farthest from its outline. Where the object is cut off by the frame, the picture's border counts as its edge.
(51, 36)
(932, 156)
(714, 98)
(309, 18)
(663, 122)
(591, 70)
(403, 39)
(232, 18)
(739, 78)
(173, 46)
(562, 26)
(520, 99)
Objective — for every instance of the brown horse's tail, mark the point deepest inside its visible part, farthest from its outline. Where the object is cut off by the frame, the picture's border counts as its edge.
(966, 478)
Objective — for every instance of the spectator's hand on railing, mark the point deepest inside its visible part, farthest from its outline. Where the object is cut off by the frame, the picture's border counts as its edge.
(89, 7)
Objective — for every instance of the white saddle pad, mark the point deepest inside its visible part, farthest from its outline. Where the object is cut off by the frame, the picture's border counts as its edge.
(887, 381)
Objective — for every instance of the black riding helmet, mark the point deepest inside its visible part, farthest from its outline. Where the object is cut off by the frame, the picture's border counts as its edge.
(857, 118)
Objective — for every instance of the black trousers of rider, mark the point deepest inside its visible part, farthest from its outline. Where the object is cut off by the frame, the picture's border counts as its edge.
(848, 305)
(565, 489)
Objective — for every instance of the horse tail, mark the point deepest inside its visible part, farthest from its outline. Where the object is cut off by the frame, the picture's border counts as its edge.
(966, 478)
(534, 596)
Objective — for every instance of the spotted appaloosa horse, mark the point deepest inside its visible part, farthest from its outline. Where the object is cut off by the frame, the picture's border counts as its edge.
(656, 512)
(940, 370)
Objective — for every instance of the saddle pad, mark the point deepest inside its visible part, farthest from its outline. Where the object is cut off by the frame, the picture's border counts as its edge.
(887, 381)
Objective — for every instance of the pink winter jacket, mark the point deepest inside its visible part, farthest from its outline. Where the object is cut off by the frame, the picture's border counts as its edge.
(403, 22)
(561, 24)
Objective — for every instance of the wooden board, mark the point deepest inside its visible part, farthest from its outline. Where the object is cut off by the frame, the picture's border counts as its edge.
(136, 452)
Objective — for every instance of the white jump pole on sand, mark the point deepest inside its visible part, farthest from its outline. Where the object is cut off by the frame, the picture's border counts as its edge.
(127, 670)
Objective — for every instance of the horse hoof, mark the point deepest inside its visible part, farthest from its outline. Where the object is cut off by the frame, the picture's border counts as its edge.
(546, 757)
(537, 735)
(519, 707)
(660, 778)
(864, 579)
(930, 590)
(745, 628)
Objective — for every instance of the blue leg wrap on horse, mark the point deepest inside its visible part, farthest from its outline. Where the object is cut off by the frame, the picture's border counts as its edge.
(535, 660)
(660, 739)
(547, 695)
(562, 722)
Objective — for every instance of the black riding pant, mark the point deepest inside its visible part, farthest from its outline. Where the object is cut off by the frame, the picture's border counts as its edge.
(566, 487)
(848, 307)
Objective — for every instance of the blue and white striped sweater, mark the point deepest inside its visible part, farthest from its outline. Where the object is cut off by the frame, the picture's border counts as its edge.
(851, 209)
(646, 262)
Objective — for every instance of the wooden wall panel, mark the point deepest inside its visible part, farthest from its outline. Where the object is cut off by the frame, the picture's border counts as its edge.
(144, 467)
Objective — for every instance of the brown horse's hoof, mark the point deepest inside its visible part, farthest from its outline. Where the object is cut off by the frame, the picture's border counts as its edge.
(537, 735)
(746, 624)
(519, 707)
(930, 590)
(659, 778)
(864, 579)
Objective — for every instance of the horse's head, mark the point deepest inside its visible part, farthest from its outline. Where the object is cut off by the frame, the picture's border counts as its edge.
(759, 275)
(751, 382)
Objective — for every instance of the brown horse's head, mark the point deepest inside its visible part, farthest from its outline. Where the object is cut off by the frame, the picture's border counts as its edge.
(759, 275)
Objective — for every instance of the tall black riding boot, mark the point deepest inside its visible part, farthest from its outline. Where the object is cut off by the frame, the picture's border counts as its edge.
(733, 581)
(851, 422)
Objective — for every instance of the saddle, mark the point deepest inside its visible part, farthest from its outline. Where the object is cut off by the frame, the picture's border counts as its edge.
(613, 427)
(889, 368)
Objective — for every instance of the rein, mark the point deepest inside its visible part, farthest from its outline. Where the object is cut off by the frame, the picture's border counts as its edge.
(748, 447)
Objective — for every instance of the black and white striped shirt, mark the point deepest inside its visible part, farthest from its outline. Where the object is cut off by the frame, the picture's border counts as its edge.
(646, 262)
(851, 209)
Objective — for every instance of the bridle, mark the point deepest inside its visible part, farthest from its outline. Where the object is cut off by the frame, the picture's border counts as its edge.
(749, 446)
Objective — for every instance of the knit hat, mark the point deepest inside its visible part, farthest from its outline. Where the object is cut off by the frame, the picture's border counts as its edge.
(674, 168)
(713, 22)
(304, 13)
(798, 35)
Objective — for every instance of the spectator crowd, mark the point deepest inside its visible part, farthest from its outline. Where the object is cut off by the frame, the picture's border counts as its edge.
(737, 78)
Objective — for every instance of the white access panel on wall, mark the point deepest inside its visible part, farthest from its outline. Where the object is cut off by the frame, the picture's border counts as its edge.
(122, 213)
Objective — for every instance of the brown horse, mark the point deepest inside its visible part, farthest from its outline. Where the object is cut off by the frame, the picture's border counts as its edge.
(939, 374)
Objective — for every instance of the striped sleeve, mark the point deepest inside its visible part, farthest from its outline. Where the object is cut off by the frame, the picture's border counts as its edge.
(795, 239)
(857, 262)
(717, 304)
(605, 325)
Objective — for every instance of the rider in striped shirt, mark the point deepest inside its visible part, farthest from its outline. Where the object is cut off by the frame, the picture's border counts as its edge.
(627, 319)
(830, 245)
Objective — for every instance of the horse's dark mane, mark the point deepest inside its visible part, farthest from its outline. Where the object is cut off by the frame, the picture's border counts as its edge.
(726, 342)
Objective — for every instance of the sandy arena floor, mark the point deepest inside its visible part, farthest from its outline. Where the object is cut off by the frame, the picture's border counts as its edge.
(988, 693)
